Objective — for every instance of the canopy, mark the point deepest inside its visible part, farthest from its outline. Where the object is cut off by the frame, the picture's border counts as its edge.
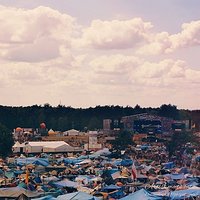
(168, 165)
(32, 160)
(86, 161)
(77, 196)
(66, 183)
(41, 162)
(175, 176)
(111, 187)
(182, 194)
(48, 197)
(143, 195)
(16, 192)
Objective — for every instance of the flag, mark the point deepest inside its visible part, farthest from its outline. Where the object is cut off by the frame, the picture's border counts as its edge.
(27, 176)
(133, 172)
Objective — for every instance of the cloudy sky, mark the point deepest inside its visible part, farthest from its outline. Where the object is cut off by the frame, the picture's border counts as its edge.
(83, 53)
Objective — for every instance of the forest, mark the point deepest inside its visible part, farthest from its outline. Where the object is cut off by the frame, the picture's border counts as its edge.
(65, 117)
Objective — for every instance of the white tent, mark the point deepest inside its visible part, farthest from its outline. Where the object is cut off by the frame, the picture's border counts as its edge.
(17, 146)
(71, 132)
(59, 147)
(48, 147)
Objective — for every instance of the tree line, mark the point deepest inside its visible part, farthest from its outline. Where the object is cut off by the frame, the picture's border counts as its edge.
(65, 117)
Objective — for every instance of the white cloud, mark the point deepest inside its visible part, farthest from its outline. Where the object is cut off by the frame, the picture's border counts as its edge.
(113, 69)
(115, 34)
(34, 35)
(160, 43)
(128, 70)
(45, 56)
(189, 36)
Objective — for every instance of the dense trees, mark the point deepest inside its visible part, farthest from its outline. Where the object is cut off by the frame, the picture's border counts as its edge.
(123, 139)
(180, 139)
(64, 118)
(6, 141)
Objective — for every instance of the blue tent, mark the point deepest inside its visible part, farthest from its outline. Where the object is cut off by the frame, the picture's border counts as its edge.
(127, 162)
(77, 196)
(48, 197)
(182, 194)
(17, 172)
(42, 162)
(175, 176)
(197, 158)
(168, 165)
(66, 183)
(71, 160)
(32, 160)
(111, 187)
(9, 174)
(142, 195)
(114, 191)
(184, 170)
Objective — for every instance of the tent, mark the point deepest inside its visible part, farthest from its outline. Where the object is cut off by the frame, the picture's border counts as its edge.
(183, 194)
(49, 179)
(102, 152)
(168, 165)
(71, 160)
(142, 195)
(60, 148)
(48, 146)
(86, 161)
(42, 162)
(17, 147)
(175, 176)
(32, 160)
(77, 196)
(66, 183)
(48, 197)
(16, 192)
(113, 191)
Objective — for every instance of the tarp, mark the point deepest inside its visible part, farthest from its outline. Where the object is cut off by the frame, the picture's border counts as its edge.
(197, 158)
(114, 191)
(142, 195)
(86, 161)
(48, 197)
(184, 170)
(77, 196)
(168, 165)
(71, 160)
(9, 174)
(16, 192)
(127, 162)
(175, 176)
(182, 194)
(48, 179)
(32, 160)
(111, 187)
(102, 152)
(42, 162)
(87, 179)
(66, 183)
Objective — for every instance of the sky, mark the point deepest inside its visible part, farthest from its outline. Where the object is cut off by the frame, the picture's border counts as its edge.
(84, 53)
